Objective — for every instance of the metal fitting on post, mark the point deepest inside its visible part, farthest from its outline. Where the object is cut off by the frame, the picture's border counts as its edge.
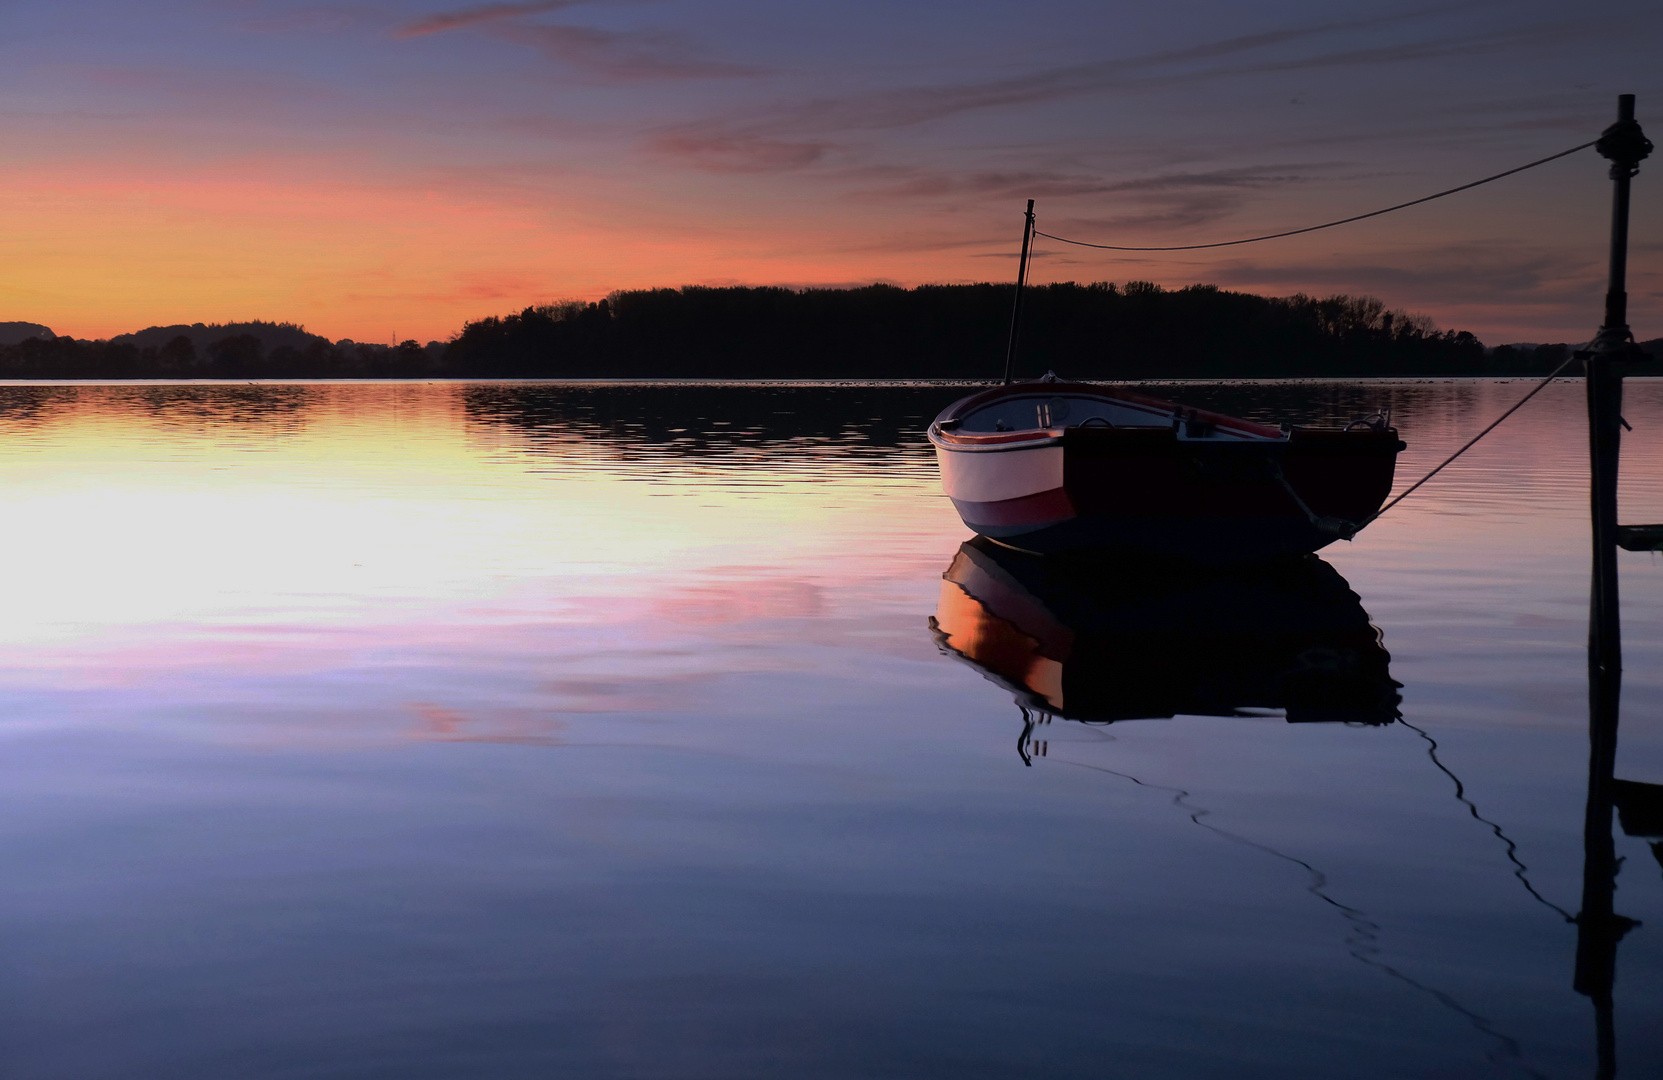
(1623, 143)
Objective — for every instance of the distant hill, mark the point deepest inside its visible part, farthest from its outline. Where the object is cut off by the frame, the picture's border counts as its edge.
(271, 335)
(1101, 330)
(1548, 357)
(227, 355)
(13, 332)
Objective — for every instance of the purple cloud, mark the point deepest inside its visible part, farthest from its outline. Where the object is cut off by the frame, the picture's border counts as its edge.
(636, 55)
(628, 55)
(454, 20)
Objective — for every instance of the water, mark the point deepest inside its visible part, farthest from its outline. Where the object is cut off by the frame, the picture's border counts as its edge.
(526, 730)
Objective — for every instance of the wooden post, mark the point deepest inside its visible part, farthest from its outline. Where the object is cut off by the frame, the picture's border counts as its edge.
(1021, 280)
(1626, 146)
(1599, 927)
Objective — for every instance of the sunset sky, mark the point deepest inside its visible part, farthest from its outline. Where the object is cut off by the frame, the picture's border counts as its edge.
(395, 168)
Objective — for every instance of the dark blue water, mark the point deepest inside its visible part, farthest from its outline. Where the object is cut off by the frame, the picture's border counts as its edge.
(527, 731)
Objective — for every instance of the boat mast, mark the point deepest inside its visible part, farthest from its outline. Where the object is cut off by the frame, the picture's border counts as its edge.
(1021, 280)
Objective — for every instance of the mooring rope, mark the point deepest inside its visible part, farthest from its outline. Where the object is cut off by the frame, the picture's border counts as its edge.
(1520, 870)
(1363, 942)
(1345, 528)
(1470, 442)
(1325, 225)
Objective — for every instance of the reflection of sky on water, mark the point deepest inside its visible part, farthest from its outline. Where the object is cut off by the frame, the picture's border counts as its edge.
(438, 730)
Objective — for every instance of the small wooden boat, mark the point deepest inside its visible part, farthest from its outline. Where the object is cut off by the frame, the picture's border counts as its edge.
(1050, 465)
(1102, 640)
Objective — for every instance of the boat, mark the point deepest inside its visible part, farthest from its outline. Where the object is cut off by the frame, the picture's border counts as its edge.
(1106, 640)
(1049, 465)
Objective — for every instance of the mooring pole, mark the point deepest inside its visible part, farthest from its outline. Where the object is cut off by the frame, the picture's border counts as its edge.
(1599, 927)
(1021, 280)
(1626, 146)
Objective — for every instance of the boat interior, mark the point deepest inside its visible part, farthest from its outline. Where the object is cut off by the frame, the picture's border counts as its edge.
(1029, 412)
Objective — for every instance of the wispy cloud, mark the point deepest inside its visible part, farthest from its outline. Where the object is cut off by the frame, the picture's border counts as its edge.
(618, 54)
(826, 121)
(613, 54)
(314, 19)
(1166, 200)
(1454, 273)
(906, 106)
(1181, 199)
(739, 152)
(455, 20)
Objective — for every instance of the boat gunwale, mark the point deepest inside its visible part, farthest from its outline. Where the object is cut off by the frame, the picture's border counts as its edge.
(946, 438)
(996, 441)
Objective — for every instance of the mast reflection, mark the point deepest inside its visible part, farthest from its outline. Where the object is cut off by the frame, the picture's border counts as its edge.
(1102, 640)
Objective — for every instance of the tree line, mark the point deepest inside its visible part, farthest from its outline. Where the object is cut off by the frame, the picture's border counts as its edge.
(235, 356)
(1097, 330)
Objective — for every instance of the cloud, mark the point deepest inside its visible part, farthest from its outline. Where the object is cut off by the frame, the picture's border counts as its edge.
(1509, 274)
(626, 55)
(908, 106)
(739, 152)
(488, 285)
(1179, 199)
(820, 123)
(1168, 200)
(1253, 176)
(1174, 212)
(322, 19)
(617, 54)
(454, 20)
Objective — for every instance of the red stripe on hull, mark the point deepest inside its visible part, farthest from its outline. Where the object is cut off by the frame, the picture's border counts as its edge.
(1033, 511)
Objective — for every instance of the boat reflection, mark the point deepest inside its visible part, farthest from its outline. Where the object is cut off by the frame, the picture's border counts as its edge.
(1640, 812)
(1102, 640)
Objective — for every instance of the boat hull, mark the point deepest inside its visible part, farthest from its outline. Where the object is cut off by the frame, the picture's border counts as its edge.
(1158, 490)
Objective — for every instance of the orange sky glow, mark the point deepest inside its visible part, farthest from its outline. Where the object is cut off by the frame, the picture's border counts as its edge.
(396, 173)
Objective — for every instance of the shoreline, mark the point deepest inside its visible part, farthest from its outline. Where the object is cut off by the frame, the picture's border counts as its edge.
(898, 384)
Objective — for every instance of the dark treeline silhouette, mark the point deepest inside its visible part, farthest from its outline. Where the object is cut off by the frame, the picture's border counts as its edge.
(958, 331)
(13, 332)
(1100, 330)
(240, 355)
(272, 335)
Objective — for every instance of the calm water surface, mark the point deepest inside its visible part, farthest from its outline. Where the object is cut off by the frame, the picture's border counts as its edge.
(532, 730)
